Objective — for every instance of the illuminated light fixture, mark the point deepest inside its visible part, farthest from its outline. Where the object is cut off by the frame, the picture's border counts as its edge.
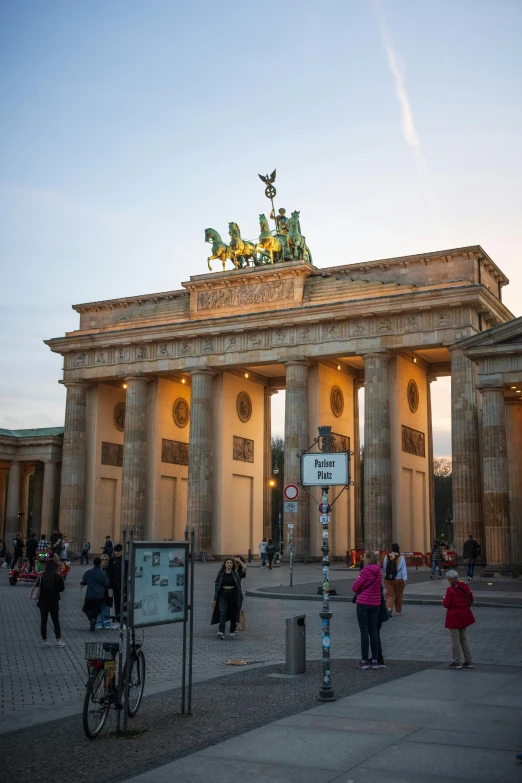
(490, 584)
(271, 483)
(183, 380)
(414, 360)
(513, 387)
(246, 375)
(124, 385)
(518, 391)
(338, 366)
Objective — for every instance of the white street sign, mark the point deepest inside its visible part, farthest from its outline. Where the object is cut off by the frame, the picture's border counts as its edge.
(291, 506)
(290, 527)
(291, 492)
(325, 519)
(324, 470)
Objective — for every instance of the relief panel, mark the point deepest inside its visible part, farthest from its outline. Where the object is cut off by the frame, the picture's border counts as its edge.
(243, 449)
(174, 452)
(413, 442)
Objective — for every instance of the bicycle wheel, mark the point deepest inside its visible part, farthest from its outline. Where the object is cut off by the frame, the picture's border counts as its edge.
(136, 682)
(95, 706)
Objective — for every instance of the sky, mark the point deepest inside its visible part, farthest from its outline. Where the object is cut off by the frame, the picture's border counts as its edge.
(129, 127)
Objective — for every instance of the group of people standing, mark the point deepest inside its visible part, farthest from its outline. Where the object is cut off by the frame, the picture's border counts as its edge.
(104, 589)
(31, 548)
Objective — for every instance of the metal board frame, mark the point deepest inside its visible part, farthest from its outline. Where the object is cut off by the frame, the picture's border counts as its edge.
(161, 546)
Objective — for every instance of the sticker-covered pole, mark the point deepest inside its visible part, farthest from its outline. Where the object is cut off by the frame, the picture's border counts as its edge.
(120, 609)
(326, 692)
(291, 548)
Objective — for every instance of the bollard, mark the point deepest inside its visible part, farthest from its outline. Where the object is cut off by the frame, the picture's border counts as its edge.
(249, 555)
(296, 645)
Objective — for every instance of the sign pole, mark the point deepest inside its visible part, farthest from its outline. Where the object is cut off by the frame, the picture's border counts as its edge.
(326, 692)
(291, 548)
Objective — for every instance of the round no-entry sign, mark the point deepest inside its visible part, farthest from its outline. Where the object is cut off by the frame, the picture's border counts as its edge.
(291, 492)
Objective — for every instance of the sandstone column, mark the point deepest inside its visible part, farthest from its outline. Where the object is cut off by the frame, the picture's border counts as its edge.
(23, 504)
(36, 520)
(296, 439)
(356, 472)
(12, 504)
(134, 469)
(467, 501)
(3, 488)
(72, 488)
(496, 483)
(377, 453)
(267, 463)
(431, 478)
(47, 522)
(514, 461)
(200, 472)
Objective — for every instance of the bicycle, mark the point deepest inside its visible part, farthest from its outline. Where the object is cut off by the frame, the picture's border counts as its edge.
(102, 687)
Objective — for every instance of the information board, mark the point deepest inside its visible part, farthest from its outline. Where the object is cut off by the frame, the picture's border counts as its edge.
(158, 583)
(323, 470)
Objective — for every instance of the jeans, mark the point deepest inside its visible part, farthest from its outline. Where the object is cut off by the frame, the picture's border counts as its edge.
(263, 559)
(227, 610)
(103, 619)
(91, 607)
(270, 558)
(84, 554)
(471, 567)
(434, 565)
(44, 614)
(367, 617)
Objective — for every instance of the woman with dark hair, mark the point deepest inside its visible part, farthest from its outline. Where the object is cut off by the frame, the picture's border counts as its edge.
(228, 598)
(51, 585)
(367, 589)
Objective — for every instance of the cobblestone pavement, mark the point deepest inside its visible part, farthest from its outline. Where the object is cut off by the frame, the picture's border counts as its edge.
(43, 684)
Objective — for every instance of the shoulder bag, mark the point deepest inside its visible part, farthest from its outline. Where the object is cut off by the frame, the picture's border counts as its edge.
(35, 590)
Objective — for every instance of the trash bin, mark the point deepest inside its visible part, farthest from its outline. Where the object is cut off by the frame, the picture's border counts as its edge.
(296, 645)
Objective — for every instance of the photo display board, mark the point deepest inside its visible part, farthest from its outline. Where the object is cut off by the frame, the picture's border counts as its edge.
(159, 583)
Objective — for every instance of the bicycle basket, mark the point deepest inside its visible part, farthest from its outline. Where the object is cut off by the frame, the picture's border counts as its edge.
(94, 652)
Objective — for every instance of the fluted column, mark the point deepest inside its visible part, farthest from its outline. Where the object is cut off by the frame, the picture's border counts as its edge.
(514, 461)
(36, 520)
(267, 463)
(72, 490)
(377, 454)
(356, 477)
(23, 503)
(134, 468)
(296, 439)
(431, 477)
(48, 498)
(12, 504)
(3, 478)
(496, 483)
(200, 472)
(467, 501)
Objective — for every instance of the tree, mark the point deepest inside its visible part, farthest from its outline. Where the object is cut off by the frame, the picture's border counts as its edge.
(442, 479)
(278, 463)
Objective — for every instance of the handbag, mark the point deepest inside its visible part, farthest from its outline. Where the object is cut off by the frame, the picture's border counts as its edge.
(34, 593)
(356, 595)
(383, 609)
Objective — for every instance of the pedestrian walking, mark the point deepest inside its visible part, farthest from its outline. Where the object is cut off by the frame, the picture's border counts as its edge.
(472, 550)
(56, 541)
(270, 552)
(227, 601)
(51, 585)
(103, 620)
(85, 552)
(96, 581)
(108, 547)
(262, 552)
(9, 558)
(18, 549)
(459, 617)
(30, 551)
(115, 577)
(395, 578)
(436, 559)
(367, 589)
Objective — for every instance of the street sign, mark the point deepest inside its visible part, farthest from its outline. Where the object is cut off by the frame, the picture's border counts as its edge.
(325, 519)
(290, 526)
(291, 492)
(291, 506)
(325, 470)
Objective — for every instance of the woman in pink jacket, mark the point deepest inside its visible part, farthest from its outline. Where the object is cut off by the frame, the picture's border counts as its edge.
(367, 588)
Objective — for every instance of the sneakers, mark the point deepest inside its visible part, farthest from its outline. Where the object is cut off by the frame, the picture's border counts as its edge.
(455, 665)
(364, 665)
(467, 665)
(382, 665)
(431, 576)
(115, 626)
(221, 635)
(232, 633)
(60, 644)
(397, 614)
(390, 612)
(45, 644)
(375, 665)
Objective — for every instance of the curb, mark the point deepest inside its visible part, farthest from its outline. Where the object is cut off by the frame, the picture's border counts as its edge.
(348, 600)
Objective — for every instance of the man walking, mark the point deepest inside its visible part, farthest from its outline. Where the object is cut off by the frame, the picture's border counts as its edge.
(114, 574)
(108, 547)
(436, 559)
(96, 581)
(85, 553)
(471, 551)
(262, 552)
(18, 549)
(395, 578)
(56, 541)
(270, 552)
(30, 550)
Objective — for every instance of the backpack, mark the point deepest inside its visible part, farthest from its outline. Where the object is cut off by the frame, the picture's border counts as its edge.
(476, 551)
(391, 567)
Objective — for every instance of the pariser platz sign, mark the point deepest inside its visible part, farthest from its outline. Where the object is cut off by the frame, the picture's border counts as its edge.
(325, 469)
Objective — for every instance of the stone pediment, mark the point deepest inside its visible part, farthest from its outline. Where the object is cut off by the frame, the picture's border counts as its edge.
(502, 337)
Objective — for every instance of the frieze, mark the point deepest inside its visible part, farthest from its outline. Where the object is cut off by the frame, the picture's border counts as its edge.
(413, 322)
(244, 295)
(413, 442)
(112, 454)
(254, 340)
(163, 350)
(174, 452)
(358, 328)
(141, 352)
(243, 449)
(444, 319)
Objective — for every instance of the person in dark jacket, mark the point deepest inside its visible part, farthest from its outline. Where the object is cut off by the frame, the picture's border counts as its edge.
(30, 550)
(51, 585)
(114, 574)
(97, 582)
(459, 617)
(270, 552)
(18, 549)
(470, 553)
(436, 559)
(227, 598)
(367, 588)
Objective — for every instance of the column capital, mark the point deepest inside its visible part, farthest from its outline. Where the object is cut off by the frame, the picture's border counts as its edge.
(376, 355)
(200, 371)
(14, 462)
(358, 383)
(430, 377)
(50, 461)
(81, 384)
(269, 392)
(298, 361)
(142, 378)
(490, 388)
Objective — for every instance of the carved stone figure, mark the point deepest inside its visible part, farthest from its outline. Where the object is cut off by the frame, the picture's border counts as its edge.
(296, 241)
(281, 221)
(244, 407)
(174, 452)
(119, 416)
(413, 441)
(275, 246)
(181, 412)
(413, 396)
(337, 401)
(219, 248)
(112, 454)
(243, 449)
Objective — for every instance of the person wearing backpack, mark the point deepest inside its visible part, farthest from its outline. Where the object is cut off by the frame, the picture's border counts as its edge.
(85, 552)
(395, 578)
(472, 550)
(270, 552)
(459, 617)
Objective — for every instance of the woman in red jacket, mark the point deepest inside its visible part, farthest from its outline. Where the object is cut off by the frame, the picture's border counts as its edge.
(367, 588)
(457, 601)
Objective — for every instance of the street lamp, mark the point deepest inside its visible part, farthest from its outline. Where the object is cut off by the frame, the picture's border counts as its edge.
(275, 471)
